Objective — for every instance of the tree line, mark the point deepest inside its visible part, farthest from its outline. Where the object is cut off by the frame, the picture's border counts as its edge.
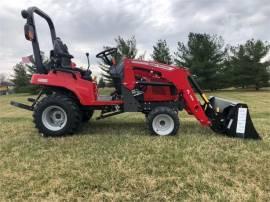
(214, 64)
(21, 77)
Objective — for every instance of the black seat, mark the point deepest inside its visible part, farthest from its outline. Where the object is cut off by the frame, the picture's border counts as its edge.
(60, 54)
(61, 58)
(117, 74)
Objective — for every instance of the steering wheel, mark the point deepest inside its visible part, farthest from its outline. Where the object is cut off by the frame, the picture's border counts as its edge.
(104, 55)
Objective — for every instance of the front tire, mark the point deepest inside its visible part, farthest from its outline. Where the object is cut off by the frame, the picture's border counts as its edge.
(57, 115)
(163, 121)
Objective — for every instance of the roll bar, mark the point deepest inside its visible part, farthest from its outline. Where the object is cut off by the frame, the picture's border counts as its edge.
(31, 34)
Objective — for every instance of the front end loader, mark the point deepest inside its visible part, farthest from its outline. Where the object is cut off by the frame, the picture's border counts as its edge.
(227, 117)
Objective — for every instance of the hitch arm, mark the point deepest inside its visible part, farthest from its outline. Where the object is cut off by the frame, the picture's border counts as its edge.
(23, 106)
(28, 107)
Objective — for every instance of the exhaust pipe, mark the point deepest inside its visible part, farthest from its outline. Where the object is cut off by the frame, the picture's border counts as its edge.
(231, 118)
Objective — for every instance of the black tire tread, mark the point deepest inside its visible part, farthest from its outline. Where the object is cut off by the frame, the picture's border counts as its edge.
(87, 115)
(75, 121)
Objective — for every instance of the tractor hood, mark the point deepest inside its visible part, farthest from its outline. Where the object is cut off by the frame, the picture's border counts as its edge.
(155, 65)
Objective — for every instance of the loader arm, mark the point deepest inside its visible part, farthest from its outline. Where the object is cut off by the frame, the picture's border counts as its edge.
(183, 81)
(192, 103)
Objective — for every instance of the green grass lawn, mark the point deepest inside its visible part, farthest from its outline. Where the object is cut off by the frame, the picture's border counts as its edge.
(117, 160)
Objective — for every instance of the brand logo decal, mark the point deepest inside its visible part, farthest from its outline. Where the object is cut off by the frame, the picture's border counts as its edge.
(43, 80)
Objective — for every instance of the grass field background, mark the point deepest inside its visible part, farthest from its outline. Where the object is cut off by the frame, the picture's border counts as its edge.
(117, 160)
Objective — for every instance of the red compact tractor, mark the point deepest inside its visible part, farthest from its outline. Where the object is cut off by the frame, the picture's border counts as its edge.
(69, 95)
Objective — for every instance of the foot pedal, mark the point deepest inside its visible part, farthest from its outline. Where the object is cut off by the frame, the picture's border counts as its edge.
(136, 92)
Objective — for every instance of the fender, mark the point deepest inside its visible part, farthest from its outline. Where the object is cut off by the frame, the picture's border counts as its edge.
(83, 89)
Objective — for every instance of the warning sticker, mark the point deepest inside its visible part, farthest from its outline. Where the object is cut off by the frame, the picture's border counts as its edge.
(241, 120)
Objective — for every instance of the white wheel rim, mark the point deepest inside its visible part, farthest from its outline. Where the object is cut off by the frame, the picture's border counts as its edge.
(163, 124)
(54, 118)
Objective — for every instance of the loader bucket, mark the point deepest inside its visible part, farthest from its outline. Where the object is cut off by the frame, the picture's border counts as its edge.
(231, 118)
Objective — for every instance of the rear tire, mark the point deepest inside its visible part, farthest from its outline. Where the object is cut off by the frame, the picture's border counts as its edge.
(163, 121)
(57, 115)
(87, 115)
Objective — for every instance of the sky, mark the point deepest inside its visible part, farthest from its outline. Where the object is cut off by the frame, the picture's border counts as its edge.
(89, 25)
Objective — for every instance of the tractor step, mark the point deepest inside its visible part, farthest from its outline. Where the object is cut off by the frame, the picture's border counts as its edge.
(104, 98)
(106, 115)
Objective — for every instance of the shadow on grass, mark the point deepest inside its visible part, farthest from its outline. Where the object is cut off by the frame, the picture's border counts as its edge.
(123, 127)
(138, 127)
(194, 128)
(114, 128)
